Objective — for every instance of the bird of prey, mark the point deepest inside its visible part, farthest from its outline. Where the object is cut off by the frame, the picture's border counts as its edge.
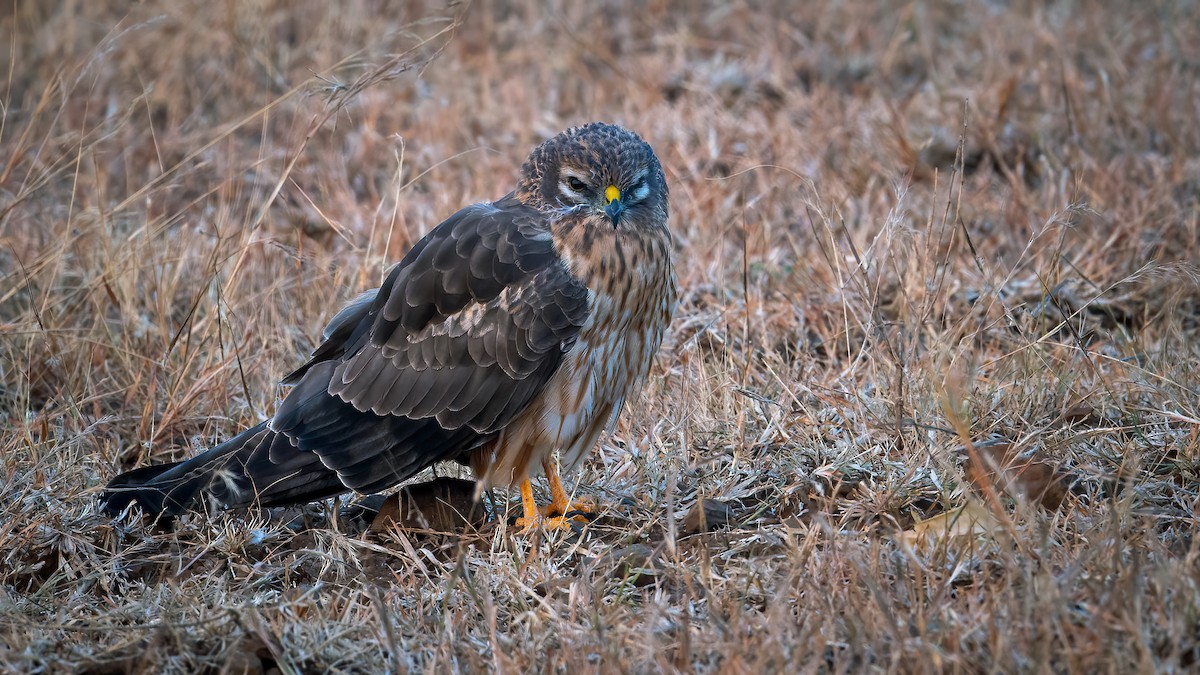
(512, 330)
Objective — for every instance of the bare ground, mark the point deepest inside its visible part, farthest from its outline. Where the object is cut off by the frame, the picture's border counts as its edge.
(935, 363)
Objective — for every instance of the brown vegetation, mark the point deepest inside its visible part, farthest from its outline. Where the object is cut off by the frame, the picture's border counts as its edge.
(930, 400)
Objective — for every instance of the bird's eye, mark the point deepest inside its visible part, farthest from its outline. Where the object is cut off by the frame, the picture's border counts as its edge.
(575, 184)
(640, 191)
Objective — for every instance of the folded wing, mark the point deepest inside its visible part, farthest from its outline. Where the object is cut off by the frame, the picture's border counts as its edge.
(465, 332)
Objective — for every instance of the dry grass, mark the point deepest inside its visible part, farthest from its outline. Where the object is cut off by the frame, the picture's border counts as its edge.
(910, 239)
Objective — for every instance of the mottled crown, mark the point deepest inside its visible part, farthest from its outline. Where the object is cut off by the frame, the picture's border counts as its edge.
(610, 154)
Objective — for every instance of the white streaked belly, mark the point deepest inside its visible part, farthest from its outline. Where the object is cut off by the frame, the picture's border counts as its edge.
(611, 357)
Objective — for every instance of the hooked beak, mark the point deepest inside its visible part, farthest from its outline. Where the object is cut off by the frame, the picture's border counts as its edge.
(613, 207)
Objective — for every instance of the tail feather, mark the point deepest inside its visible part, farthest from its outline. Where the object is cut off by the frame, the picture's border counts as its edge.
(236, 473)
(135, 487)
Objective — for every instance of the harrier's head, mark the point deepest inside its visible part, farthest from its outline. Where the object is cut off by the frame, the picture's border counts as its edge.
(603, 172)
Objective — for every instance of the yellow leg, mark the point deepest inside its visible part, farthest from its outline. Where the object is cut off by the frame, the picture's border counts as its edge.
(530, 507)
(559, 505)
(552, 516)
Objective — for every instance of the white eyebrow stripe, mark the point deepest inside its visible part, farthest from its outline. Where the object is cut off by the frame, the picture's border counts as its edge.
(641, 191)
(572, 173)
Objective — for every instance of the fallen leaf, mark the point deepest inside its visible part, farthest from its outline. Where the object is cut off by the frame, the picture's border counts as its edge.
(1000, 466)
(1081, 414)
(636, 562)
(970, 520)
(707, 515)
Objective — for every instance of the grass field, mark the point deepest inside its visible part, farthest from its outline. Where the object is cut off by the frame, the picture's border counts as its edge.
(936, 363)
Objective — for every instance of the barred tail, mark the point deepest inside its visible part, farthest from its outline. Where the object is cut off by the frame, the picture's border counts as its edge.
(236, 473)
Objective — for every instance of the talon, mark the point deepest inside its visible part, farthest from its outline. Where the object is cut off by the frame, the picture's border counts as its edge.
(589, 516)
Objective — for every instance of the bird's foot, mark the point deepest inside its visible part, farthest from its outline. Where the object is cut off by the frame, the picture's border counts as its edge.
(584, 507)
(572, 516)
(547, 523)
(561, 514)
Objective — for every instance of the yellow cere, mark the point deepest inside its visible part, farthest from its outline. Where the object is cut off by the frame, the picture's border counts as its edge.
(611, 194)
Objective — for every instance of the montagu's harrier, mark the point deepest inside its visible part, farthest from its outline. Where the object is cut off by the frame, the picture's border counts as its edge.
(512, 330)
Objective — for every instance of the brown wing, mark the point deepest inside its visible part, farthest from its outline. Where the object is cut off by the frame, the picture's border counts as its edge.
(461, 337)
